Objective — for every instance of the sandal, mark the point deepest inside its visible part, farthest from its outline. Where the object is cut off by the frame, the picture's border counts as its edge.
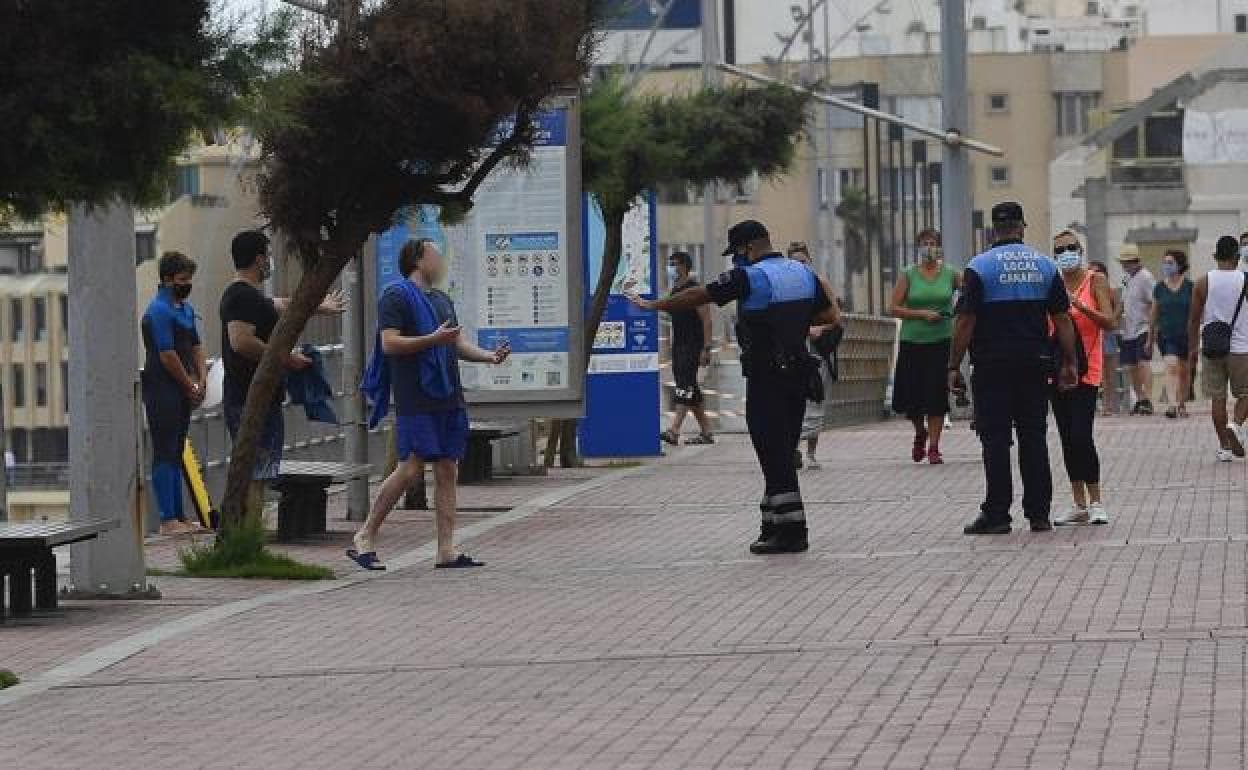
(368, 561)
(934, 457)
(463, 561)
(703, 438)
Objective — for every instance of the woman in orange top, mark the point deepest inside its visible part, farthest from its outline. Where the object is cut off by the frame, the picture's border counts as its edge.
(1092, 310)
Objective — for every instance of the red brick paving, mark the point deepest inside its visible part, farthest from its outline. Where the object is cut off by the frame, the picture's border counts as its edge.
(627, 627)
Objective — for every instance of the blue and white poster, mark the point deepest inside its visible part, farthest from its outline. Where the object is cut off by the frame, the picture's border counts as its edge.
(508, 265)
(622, 388)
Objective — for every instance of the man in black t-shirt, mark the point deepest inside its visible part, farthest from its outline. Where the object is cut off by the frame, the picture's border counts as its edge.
(247, 320)
(691, 349)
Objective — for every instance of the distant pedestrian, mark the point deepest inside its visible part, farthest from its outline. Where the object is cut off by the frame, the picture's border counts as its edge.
(779, 299)
(691, 350)
(1220, 322)
(419, 345)
(1111, 346)
(10, 465)
(1009, 296)
(1137, 345)
(173, 382)
(923, 300)
(1074, 409)
(1172, 304)
(248, 316)
(813, 419)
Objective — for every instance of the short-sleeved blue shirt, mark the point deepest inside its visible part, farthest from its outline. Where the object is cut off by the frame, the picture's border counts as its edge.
(1012, 290)
(394, 312)
(168, 326)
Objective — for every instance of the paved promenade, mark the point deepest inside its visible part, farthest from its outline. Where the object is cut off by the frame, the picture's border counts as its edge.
(621, 624)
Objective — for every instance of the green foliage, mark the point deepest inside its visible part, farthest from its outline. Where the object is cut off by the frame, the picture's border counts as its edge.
(406, 112)
(98, 96)
(859, 219)
(631, 144)
(240, 552)
(8, 678)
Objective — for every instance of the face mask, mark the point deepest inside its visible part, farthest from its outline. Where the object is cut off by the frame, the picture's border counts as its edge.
(1069, 260)
(182, 290)
(266, 269)
(1169, 270)
(740, 260)
(927, 254)
(1243, 253)
(672, 275)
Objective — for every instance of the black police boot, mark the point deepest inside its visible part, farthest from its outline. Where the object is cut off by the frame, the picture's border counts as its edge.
(766, 531)
(784, 538)
(985, 526)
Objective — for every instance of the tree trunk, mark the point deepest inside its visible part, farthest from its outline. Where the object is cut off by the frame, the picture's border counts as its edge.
(308, 296)
(611, 252)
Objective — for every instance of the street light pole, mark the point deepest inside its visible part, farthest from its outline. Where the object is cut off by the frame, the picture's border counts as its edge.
(955, 219)
(710, 79)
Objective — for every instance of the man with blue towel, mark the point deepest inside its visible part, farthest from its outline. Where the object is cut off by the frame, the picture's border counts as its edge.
(417, 358)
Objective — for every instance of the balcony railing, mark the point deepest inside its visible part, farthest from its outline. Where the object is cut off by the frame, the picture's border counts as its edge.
(1147, 173)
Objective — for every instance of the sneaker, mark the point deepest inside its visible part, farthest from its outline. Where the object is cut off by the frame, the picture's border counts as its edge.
(812, 464)
(1225, 456)
(1097, 514)
(1075, 515)
(982, 526)
(781, 541)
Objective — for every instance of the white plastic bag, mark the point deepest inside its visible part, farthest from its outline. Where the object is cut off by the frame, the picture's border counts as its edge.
(215, 385)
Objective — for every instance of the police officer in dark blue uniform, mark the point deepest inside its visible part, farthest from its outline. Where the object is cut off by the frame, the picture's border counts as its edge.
(779, 299)
(1010, 293)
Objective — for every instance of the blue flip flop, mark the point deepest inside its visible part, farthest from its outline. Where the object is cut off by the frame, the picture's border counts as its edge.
(463, 561)
(368, 560)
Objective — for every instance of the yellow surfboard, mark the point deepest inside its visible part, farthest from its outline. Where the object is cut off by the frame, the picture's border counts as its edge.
(195, 481)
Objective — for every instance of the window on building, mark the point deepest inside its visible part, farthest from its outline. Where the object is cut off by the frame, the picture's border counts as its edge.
(65, 386)
(999, 176)
(144, 247)
(64, 301)
(1163, 136)
(1074, 110)
(41, 385)
(30, 259)
(979, 22)
(18, 378)
(1094, 8)
(1241, 23)
(41, 319)
(821, 186)
(851, 177)
(674, 194)
(187, 181)
(998, 102)
(17, 320)
(19, 442)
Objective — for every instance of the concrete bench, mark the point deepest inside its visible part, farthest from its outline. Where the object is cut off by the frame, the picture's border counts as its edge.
(26, 560)
(301, 511)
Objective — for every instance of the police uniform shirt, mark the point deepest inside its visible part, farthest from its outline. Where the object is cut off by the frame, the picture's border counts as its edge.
(1011, 289)
(774, 311)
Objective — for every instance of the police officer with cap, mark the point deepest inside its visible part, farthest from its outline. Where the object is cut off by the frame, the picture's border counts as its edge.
(1010, 295)
(778, 300)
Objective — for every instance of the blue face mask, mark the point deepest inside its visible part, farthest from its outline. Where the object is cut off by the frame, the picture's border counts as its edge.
(672, 275)
(1069, 260)
(1169, 269)
(740, 260)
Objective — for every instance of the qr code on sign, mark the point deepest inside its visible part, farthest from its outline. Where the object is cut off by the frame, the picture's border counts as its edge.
(553, 379)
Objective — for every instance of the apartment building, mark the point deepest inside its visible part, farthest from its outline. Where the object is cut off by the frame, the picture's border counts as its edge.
(212, 197)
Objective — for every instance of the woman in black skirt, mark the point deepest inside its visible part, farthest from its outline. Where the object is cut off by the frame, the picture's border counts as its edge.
(923, 300)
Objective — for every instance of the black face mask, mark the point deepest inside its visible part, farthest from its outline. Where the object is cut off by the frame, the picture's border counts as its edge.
(182, 290)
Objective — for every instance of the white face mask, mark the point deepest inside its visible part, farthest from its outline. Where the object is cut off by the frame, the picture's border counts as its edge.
(673, 274)
(1243, 253)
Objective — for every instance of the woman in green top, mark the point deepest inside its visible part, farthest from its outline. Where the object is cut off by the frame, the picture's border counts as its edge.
(923, 300)
(1172, 299)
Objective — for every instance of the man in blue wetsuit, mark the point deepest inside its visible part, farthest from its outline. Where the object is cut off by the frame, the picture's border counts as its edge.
(1011, 296)
(173, 379)
(779, 299)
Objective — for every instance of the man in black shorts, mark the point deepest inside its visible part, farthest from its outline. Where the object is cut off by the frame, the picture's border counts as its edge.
(691, 349)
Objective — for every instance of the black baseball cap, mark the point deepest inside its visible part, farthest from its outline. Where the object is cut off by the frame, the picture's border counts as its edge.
(745, 232)
(1008, 211)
